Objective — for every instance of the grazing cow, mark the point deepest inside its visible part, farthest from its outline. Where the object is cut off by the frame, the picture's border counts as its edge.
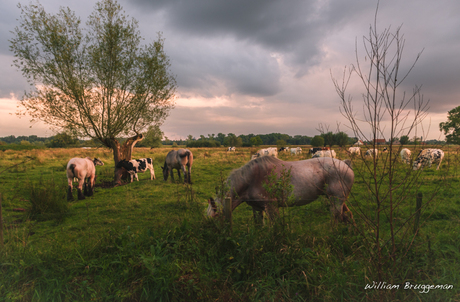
(265, 152)
(84, 169)
(325, 153)
(135, 166)
(295, 151)
(315, 149)
(354, 151)
(231, 149)
(405, 155)
(178, 159)
(427, 157)
(283, 149)
(309, 178)
(372, 152)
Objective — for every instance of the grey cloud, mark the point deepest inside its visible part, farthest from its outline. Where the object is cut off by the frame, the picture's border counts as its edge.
(294, 28)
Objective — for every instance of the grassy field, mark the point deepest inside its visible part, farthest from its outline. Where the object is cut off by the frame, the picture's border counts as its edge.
(150, 240)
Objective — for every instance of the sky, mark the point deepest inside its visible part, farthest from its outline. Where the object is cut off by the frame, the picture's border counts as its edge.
(265, 66)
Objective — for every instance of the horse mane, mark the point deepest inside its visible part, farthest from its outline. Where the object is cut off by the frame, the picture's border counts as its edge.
(243, 176)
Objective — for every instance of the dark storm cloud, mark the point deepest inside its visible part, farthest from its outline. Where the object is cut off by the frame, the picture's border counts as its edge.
(294, 28)
(222, 65)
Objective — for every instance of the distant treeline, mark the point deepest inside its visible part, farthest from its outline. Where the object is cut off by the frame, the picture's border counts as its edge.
(249, 140)
(63, 140)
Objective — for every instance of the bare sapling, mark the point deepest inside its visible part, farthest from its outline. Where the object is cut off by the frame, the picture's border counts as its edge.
(388, 112)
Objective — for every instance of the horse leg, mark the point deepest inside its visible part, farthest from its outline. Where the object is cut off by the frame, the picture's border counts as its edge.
(69, 190)
(172, 174)
(189, 174)
(185, 173)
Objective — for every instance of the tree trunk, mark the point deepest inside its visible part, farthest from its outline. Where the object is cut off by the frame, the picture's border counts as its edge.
(121, 152)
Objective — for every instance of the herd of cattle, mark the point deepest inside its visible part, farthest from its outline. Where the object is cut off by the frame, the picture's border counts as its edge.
(84, 169)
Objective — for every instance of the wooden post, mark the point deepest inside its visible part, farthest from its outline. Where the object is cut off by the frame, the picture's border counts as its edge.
(228, 210)
(418, 207)
(1, 223)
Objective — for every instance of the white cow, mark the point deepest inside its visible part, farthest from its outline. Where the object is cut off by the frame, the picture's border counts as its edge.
(295, 151)
(265, 152)
(354, 151)
(231, 149)
(325, 153)
(405, 155)
(372, 152)
(427, 157)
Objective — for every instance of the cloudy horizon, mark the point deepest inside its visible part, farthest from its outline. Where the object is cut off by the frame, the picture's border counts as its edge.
(265, 66)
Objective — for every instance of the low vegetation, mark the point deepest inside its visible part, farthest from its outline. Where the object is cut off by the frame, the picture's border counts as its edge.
(150, 240)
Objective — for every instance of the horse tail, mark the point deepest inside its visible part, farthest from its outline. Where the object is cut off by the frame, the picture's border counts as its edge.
(72, 168)
(348, 162)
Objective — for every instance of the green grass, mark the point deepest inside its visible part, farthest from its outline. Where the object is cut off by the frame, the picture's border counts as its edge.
(149, 240)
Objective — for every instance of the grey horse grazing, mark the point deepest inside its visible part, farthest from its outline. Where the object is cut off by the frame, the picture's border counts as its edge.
(178, 159)
(84, 170)
(310, 178)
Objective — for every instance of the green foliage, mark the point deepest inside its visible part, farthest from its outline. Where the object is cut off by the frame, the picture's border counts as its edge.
(88, 81)
(280, 143)
(256, 141)
(317, 141)
(451, 128)
(62, 140)
(341, 139)
(152, 138)
(47, 200)
(120, 246)
(203, 144)
(279, 189)
(329, 138)
(233, 141)
(404, 140)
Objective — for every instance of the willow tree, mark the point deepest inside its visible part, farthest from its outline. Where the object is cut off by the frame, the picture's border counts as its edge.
(99, 82)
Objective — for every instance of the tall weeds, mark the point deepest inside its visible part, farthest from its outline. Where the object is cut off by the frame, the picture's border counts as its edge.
(47, 200)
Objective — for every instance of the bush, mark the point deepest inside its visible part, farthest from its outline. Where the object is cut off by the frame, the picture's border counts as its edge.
(317, 141)
(47, 200)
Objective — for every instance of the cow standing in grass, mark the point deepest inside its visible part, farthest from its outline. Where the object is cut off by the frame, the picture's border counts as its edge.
(405, 155)
(325, 153)
(84, 169)
(231, 149)
(137, 165)
(354, 151)
(265, 152)
(178, 159)
(295, 151)
(427, 157)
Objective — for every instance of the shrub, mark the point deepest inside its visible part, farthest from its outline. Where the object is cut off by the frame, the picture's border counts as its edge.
(317, 141)
(47, 200)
